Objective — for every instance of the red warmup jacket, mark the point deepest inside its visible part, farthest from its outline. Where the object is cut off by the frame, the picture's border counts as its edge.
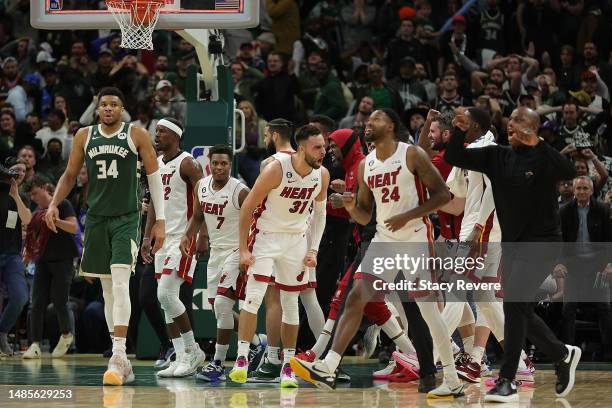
(349, 143)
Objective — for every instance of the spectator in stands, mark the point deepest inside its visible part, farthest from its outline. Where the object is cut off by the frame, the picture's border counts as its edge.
(59, 102)
(52, 165)
(330, 100)
(180, 78)
(55, 129)
(356, 22)
(250, 159)
(566, 192)
(364, 110)
(310, 42)
(449, 98)
(383, 95)
(245, 79)
(246, 55)
(285, 16)
(584, 220)
(54, 254)
(33, 119)
(568, 74)
(101, 76)
(166, 104)
(14, 213)
(591, 60)
(583, 160)
(405, 45)
(7, 134)
(407, 85)
(275, 95)
(28, 155)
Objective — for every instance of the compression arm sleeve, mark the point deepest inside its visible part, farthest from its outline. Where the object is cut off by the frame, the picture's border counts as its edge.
(318, 224)
(157, 194)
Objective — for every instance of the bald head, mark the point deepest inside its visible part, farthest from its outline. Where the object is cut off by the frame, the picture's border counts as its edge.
(523, 127)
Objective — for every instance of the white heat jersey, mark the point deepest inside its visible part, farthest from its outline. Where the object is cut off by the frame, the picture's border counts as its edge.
(286, 209)
(396, 190)
(178, 196)
(478, 196)
(221, 210)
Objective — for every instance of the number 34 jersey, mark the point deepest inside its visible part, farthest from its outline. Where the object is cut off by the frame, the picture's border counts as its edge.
(221, 210)
(287, 208)
(112, 167)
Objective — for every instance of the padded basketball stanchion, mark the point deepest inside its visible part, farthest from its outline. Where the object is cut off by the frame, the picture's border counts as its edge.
(137, 20)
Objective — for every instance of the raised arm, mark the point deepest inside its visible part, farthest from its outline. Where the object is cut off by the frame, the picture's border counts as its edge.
(424, 134)
(477, 159)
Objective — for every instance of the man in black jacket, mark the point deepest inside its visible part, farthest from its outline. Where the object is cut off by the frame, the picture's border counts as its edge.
(524, 179)
(583, 220)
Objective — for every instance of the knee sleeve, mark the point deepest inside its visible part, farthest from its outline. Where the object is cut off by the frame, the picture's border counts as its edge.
(107, 294)
(255, 292)
(289, 303)
(377, 312)
(168, 291)
(122, 307)
(224, 312)
(314, 313)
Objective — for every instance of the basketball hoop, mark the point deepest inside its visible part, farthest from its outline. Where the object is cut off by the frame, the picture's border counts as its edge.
(137, 20)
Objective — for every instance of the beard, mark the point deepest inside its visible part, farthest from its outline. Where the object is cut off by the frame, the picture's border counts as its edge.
(270, 148)
(312, 162)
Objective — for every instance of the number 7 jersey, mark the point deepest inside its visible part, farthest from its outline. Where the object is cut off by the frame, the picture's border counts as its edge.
(112, 167)
(221, 210)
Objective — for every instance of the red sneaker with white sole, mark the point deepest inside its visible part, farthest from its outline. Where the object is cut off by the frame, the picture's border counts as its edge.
(307, 355)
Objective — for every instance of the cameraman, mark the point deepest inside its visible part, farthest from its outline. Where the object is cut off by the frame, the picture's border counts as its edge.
(14, 212)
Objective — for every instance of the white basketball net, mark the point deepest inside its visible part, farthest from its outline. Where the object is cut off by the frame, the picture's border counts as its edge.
(137, 20)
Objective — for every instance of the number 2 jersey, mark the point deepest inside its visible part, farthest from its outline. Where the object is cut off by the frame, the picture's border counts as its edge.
(396, 190)
(221, 210)
(112, 167)
(178, 194)
(286, 209)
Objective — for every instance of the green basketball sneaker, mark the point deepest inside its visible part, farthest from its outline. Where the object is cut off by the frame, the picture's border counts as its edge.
(266, 373)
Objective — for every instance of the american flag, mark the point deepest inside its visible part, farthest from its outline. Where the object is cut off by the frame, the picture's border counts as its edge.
(227, 4)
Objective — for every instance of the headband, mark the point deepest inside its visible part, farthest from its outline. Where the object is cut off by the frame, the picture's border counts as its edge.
(171, 126)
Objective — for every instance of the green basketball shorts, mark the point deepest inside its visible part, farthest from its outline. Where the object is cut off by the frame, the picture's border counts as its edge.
(109, 241)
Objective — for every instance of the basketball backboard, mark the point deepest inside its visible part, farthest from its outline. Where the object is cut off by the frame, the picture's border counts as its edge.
(176, 15)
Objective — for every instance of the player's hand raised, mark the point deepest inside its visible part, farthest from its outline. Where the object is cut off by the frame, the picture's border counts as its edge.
(51, 216)
(311, 259)
(185, 246)
(338, 185)
(246, 259)
(158, 234)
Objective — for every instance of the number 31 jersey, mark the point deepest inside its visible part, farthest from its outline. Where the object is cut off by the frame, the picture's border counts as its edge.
(221, 210)
(287, 207)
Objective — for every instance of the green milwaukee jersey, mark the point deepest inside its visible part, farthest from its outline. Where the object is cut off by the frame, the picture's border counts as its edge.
(112, 166)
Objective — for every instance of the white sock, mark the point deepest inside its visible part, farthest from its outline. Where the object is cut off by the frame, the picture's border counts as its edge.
(468, 344)
(323, 338)
(273, 355)
(332, 360)
(119, 346)
(189, 340)
(392, 329)
(179, 345)
(243, 349)
(314, 314)
(477, 353)
(287, 354)
(221, 352)
(255, 340)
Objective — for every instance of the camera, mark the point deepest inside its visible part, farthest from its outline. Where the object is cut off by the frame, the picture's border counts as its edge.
(6, 175)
